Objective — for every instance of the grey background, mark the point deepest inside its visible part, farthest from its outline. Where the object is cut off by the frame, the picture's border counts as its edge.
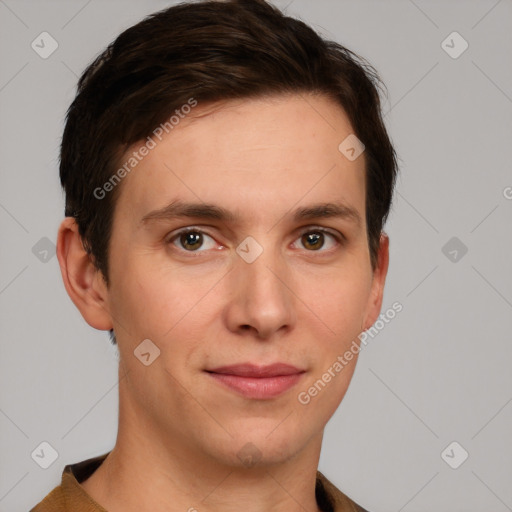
(439, 372)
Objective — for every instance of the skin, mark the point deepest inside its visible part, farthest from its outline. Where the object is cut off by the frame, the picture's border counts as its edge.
(300, 303)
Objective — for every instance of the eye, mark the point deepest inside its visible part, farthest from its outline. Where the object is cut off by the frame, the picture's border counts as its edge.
(315, 239)
(194, 239)
(191, 239)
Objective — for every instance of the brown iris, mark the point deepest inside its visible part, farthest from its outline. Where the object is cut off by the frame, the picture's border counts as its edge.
(191, 240)
(314, 239)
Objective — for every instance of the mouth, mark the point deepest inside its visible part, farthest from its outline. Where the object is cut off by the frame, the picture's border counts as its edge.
(257, 382)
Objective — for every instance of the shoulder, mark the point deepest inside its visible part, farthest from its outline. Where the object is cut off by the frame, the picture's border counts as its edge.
(70, 496)
(334, 500)
(55, 501)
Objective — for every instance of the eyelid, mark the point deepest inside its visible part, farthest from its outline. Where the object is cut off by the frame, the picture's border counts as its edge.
(333, 232)
(194, 229)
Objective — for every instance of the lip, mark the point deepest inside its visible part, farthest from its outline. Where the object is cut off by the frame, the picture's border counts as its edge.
(258, 382)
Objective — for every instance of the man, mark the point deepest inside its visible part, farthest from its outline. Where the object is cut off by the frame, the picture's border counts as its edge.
(227, 177)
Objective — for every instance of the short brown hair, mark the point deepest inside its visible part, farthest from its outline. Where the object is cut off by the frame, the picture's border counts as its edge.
(210, 51)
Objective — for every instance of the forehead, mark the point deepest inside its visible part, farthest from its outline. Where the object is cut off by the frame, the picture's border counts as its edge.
(260, 156)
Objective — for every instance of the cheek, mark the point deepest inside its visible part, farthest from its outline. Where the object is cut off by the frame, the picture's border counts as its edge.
(152, 299)
(141, 301)
(167, 305)
(339, 299)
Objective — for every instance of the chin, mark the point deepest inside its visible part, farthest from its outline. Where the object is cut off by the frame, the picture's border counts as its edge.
(261, 446)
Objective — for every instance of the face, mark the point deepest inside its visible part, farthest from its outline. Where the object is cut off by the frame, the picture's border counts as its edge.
(258, 273)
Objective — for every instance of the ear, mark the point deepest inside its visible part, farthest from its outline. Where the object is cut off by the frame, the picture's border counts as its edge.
(379, 278)
(83, 281)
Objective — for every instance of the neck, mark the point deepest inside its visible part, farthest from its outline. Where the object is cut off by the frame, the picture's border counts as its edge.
(153, 469)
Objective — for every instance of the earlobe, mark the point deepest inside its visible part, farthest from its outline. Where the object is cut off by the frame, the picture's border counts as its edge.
(379, 279)
(83, 282)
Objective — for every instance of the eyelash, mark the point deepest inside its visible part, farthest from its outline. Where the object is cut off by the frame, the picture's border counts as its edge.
(338, 237)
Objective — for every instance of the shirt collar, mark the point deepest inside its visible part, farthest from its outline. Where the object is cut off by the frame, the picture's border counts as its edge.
(329, 498)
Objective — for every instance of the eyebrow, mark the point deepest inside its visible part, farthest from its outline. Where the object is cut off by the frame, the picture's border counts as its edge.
(179, 209)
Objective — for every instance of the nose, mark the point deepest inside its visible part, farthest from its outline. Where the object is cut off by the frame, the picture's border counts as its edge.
(261, 301)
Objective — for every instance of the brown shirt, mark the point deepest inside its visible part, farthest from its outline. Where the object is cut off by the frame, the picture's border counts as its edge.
(70, 496)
